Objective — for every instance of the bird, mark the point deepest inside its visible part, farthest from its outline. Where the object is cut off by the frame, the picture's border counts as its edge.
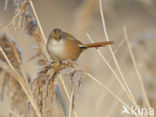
(63, 46)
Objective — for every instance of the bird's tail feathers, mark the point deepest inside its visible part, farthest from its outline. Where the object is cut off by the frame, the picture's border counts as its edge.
(98, 44)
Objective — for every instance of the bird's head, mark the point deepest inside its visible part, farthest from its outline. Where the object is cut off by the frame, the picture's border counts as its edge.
(56, 34)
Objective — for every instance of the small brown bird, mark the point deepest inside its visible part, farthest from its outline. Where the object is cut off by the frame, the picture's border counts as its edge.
(63, 46)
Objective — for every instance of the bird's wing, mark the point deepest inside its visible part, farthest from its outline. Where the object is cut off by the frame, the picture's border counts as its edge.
(77, 42)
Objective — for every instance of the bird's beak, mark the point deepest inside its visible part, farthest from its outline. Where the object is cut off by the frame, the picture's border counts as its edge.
(57, 38)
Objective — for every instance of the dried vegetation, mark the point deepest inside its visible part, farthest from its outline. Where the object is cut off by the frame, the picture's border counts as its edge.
(36, 97)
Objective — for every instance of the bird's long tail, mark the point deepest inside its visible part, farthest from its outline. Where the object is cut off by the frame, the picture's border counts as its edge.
(98, 44)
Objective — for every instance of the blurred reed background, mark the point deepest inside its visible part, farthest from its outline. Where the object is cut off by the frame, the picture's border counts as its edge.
(77, 17)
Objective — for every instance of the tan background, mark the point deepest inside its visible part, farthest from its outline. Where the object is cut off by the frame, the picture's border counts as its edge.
(78, 18)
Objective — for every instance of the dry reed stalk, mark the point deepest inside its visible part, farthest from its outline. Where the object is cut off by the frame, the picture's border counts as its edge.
(18, 97)
(6, 5)
(100, 84)
(41, 30)
(112, 70)
(33, 30)
(38, 22)
(146, 43)
(56, 70)
(67, 93)
(113, 108)
(43, 85)
(103, 97)
(43, 88)
(146, 65)
(71, 104)
(152, 101)
(20, 10)
(48, 71)
(43, 92)
(117, 48)
(23, 18)
(30, 26)
(18, 18)
(71, 83)
(78, 85)
(13, 113)
(25, 88)
(108, 90)
(126, 87)
(137, 70)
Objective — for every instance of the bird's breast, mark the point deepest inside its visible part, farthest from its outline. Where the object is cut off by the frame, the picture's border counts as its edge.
(63, 49)
(55, 48)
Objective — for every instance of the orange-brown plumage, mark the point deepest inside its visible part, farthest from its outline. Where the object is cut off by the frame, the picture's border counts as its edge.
(98, 44)
(62, 45)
